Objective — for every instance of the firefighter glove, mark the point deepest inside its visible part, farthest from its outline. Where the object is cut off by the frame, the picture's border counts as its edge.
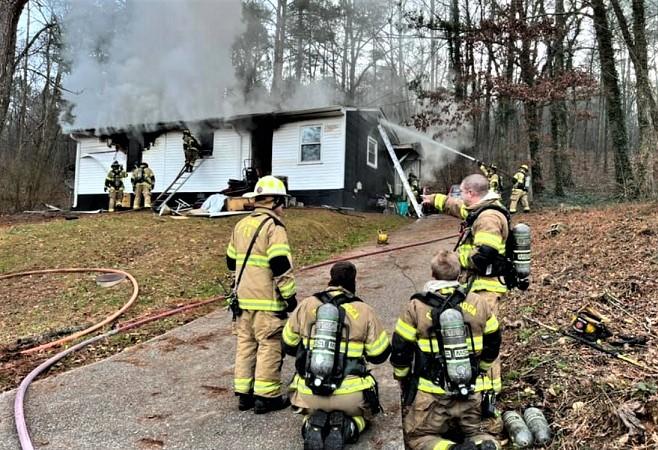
(291, 304)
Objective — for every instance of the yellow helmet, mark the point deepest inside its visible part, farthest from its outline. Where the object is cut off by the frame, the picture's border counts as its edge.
(525, 167)
(268, 186)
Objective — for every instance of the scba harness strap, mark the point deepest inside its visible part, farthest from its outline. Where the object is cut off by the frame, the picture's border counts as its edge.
(488, 261)
(435, 366)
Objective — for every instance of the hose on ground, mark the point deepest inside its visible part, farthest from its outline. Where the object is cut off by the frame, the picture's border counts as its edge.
(92, 328)
(19, 413)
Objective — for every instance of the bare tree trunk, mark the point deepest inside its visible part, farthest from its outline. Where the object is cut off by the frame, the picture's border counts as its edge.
(10, 12)
(623, 172)
(279, 45)
(647, 113)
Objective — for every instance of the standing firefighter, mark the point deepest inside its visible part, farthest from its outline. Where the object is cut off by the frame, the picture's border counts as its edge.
(143, 181)
(443, 345)
(191, 148)
(491, 172)
(520, 190)
(114, 184)
(332, 336)
(264, 291)
(482, 243)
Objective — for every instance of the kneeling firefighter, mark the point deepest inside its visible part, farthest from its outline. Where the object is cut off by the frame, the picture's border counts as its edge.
(333, 334)
(444, 343)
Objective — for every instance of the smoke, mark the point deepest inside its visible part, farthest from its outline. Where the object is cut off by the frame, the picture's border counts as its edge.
(443, 139)
(148, 61)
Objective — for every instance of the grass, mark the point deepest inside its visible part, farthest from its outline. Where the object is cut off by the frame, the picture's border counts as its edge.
(174, 261)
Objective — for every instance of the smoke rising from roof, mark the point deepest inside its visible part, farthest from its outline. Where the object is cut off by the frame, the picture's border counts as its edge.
(148, 61)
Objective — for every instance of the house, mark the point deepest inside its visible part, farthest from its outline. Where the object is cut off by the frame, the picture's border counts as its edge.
(332, 155)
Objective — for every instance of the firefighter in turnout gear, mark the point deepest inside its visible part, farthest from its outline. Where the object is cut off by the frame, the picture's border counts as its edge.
(114, 184)
(491, 172)
(481, 244)
(423, 361)
(191, 147)
(333, 335)
(520, 190)
(143, 180)
(265, 289)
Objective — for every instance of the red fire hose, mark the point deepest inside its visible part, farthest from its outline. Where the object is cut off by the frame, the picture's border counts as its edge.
(19, 414)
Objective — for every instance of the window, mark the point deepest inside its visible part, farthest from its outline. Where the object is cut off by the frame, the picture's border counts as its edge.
(311, 143)
(372, 152)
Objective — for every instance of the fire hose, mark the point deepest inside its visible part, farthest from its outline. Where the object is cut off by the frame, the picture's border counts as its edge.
(19, 412)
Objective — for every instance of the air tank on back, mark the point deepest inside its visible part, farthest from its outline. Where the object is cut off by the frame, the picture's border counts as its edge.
(456, 350)
(522, 254)
(323, 349)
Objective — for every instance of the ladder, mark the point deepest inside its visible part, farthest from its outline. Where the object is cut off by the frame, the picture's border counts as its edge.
(398, 168)
(171, 190)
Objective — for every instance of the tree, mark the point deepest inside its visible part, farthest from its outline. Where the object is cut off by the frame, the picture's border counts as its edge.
(10, 12)
(623, 172)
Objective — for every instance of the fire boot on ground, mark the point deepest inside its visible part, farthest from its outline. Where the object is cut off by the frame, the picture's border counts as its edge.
(264, 405)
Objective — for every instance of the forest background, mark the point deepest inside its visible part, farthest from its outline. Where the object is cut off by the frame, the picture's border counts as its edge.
(566, 86)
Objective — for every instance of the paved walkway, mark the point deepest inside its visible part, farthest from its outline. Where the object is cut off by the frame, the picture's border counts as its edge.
(174, 392)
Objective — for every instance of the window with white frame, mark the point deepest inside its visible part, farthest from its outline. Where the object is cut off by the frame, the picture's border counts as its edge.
(372, 152)
(311, 143)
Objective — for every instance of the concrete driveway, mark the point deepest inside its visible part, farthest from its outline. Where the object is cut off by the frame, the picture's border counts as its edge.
(174, 392)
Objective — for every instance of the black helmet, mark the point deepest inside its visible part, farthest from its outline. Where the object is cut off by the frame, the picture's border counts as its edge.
(115, 163)
(143, 164)
(186, 131)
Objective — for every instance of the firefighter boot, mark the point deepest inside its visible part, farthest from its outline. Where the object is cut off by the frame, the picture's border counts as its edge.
(264, 405)
(313, 430)
(342, 430)
(245, 401)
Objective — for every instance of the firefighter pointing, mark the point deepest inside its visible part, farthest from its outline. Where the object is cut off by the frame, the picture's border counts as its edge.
(490, 264)
(264, 291)
(333, 335)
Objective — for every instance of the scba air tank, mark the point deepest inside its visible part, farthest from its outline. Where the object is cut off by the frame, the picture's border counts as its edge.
(517, 429)
(538, 425)
(522, 255)
(323, 349)
(458, 363)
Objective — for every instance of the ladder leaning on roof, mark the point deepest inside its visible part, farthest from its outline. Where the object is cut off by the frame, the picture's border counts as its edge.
(182, 177)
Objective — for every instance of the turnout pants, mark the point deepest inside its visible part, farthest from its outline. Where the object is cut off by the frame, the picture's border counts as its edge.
(259, 356)
(116, 196)
(433, 416)
(495, 373)
(353, 405)
(142, 190)
(519, 194)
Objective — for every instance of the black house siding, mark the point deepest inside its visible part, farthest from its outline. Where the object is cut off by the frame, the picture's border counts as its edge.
(360, 125)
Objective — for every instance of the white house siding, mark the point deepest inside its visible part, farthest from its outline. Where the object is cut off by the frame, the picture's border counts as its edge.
(166, 158)
(95, 159)
(327, 174)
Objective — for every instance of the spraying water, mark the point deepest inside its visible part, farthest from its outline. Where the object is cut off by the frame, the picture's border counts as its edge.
(424, 138)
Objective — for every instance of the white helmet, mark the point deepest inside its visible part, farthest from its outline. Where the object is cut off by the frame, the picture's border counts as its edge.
(268, 186)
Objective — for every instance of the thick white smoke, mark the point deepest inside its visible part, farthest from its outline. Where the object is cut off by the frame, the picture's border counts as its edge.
(145, 61)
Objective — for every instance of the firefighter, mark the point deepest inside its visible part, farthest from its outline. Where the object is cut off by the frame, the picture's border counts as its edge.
(481, 243)
(520, 190)
(265, 290)
(335, 389)
(491, 172)
(143, 180)
(426, 384)
(114, 184)
(412, 179)
(191, 147)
